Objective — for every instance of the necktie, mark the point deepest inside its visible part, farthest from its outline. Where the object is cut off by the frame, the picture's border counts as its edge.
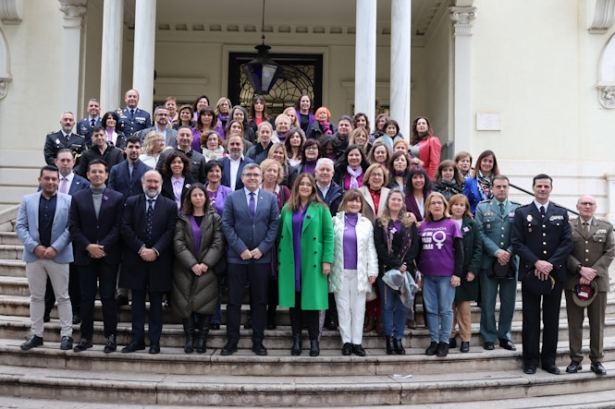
(586, 227)
(150, 221)
(542, 211)
(132, 114)
(252, 204)
(502, 209)
(93, 122)
(63, 185)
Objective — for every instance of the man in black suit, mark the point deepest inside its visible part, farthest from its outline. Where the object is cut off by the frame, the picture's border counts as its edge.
(87, 124)
(64, 139)
(101, 149)
(148, 228)
(542, 237)
(94, 224)
(70, 183)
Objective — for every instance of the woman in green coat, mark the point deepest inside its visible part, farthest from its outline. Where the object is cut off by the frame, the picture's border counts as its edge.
(305, 254)
(468, 289)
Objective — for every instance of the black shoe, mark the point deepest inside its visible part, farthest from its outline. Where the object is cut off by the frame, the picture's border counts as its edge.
(431, 349)
(597, 368)
(390, 346)
(452, 343)
(76, 319)
(67, 343)
(506, 344)
(46, 318)
(551, 369)
(111, 345)
(229, 349)
(442, 350)
(188, 324)
(314, 348)
(133, 347)
(347, 349)
(296, 349)
(214, 325)
(258, 348)
(465, 347)
(154, 348)
(32, 342)
(271, 324)
(399, 346)
(529, 369)
(330, 323)
(489, 346)
(248, 324)
(83, 345)
(574, 367)
(358, 350)
(121, 300)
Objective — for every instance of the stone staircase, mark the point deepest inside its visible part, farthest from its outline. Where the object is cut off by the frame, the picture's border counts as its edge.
(474, 380)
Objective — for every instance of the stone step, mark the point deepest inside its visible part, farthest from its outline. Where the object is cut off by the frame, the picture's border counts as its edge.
(9, 238)
(11, 252)
(146, 388)
(12, 268)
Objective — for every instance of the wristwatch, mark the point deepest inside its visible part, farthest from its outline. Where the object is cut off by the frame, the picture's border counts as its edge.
(579, 267)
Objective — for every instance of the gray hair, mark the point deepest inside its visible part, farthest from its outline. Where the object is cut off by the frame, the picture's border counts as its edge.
(251, 165)
(324, 161)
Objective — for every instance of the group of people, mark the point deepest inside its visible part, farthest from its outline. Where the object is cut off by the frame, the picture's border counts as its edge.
(332, 221)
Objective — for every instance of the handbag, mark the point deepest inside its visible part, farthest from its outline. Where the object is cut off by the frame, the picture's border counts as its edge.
(220, 270)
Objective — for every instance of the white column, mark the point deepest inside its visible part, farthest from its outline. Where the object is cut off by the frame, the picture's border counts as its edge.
(111, 62)
(463, 17)
(145, 44)
(365, 59)
(401, 36)
(610, 182)
(71, 54)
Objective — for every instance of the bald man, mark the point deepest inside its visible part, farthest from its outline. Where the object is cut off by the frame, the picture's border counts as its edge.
(594, 250)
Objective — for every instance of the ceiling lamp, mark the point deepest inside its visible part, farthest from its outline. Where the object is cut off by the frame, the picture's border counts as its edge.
(262, 72)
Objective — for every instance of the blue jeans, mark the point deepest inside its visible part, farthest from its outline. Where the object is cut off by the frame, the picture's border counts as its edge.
(438, 296)
(394, 313)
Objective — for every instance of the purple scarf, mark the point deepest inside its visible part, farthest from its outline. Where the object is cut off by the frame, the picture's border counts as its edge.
(196, 233)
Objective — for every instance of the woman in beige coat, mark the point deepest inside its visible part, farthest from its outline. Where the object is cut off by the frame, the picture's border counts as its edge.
(195, 287)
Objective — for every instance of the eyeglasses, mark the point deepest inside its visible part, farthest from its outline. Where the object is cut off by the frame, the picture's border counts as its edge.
(437, 203)
(252, 175)
(587, 204)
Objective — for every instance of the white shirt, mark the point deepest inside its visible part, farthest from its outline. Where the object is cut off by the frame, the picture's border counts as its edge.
(538, 205)
(234, 169)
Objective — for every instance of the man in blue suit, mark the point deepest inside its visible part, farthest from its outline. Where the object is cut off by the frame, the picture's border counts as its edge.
(94, 225)
(148, 228)
(542, 237)
(250, 225)
(125, 177)
(85, 125)
(69, 183)
(494, 218)
(233, 164)
(132, 118)
(42, 227)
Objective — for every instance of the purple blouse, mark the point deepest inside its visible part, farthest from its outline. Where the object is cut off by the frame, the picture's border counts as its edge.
(350, 241)
(298, 217)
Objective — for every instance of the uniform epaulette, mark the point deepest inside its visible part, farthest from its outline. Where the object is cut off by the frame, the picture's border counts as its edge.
(119, 110)
(79, 135)
(515, 203)
(52, 132)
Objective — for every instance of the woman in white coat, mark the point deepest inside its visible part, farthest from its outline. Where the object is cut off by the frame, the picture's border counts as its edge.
(354, 269)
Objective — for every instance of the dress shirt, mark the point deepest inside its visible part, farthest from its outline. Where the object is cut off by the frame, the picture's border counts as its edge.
(538, 205)
(69, 181)
(234, 169)
(323, 190)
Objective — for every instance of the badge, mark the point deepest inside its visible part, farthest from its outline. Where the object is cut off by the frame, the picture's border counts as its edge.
(466, 229)
(488, 226)
(529, 218)
(58, 141)
(488, 214)
(556, 217)
(511, 214)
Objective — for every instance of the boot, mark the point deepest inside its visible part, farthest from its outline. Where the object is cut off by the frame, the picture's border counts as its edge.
(314, 347)
(390, 345)
(188, 333)
(369, 323)
(399, 346)
(201, 345)
(296, 349)
(379, 325)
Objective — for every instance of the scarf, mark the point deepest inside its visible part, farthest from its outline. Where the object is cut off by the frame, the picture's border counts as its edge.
(484, 185)
(354, 174)
(326, 127)
(283, 136)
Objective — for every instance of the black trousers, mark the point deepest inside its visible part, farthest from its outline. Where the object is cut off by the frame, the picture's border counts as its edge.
(98, 277)
(257, 275)
(74, 292)
(531, 325)
(310, 317)
(138, 315)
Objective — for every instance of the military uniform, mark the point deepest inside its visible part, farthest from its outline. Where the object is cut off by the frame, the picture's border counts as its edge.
(84, 128)
(595, 249)
(56, 141)
(495, 230)
(130, 123)
(545, 237)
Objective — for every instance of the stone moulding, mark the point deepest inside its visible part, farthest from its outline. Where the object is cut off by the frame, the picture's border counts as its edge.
(5, 74)
(11, 11)
(606, 75)
(600, 15)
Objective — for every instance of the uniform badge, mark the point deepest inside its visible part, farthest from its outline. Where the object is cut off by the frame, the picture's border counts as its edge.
(58, 141)
(529, 218)
(488, 226)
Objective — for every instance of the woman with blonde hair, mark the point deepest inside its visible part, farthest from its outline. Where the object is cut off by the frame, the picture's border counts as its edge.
(282, 128)
(354, 269)
(152, 147)
(260, 150)
(292, 115)
(278, 153)
(223, 113)
(360, 136)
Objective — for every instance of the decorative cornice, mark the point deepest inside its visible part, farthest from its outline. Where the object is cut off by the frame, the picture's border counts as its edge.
(606, 95)
(463, 17)
(73, 12)
(11, 11)
(600, 15)
(5, 65)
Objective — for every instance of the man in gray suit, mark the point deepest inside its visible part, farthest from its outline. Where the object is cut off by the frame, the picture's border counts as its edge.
(161, 122)
(250, 225)
(494, 218)
(42, 227)
(593, 253)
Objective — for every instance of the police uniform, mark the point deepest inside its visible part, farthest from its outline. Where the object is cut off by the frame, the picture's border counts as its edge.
(596, 249)
(130, 123)
(56, 141)
(547, 237)
(84, 128)
(495, 230)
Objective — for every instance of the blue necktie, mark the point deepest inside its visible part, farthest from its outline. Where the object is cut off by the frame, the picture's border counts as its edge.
(252, 204)
(150, 221)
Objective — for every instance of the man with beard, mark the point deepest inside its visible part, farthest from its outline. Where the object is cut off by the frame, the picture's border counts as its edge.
(148, 228)
(101, 149)
(64, 138)
(161, 124)
(233, 164)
